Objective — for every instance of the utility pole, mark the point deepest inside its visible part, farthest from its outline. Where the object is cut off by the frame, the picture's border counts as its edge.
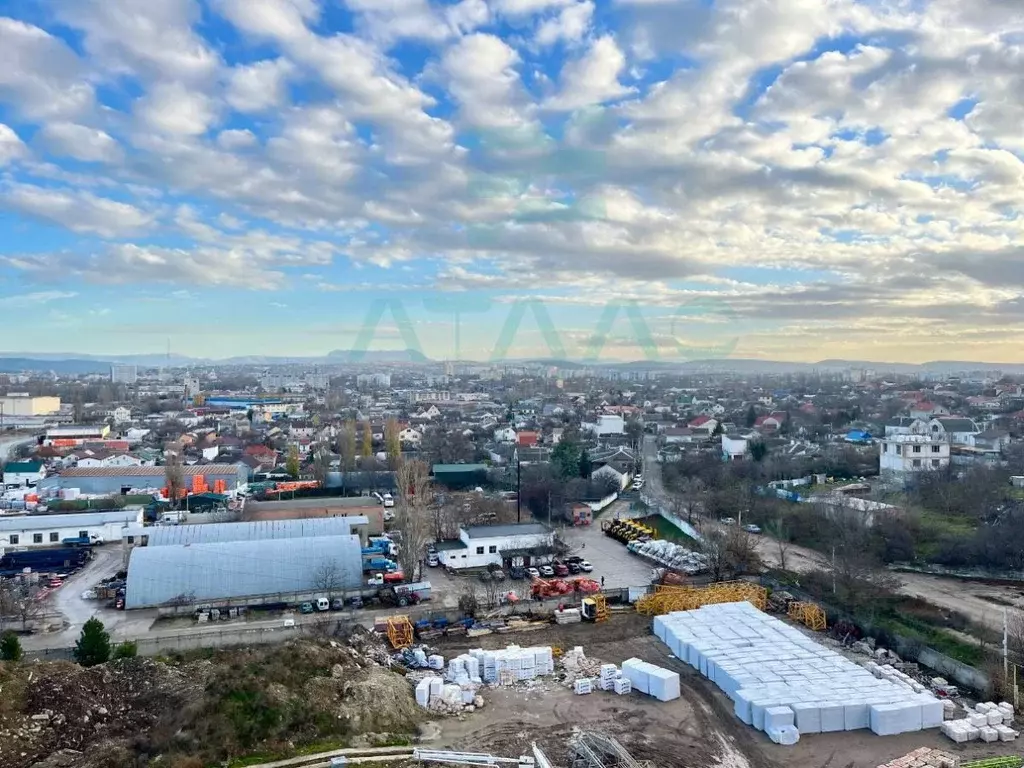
(1006, 648)
(519, 488)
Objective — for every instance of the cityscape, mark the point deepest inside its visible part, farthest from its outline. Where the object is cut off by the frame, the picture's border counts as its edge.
(547, 383)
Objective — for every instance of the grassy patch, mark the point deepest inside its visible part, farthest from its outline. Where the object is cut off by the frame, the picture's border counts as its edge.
(667, 530)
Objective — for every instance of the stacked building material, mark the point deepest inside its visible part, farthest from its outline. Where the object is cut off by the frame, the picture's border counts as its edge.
(986, 722)
(924, 757)
(511, 664)
(763, 664)
(662, 684)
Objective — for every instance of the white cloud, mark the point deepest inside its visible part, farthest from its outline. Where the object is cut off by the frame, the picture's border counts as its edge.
(173, 108)
(519, 8)
(593, 78)
(39, 74)
(237, 138)
(29, 300)
(571, 25)
(260, 86)
(153, 38)
(11, 147)
(480, 73)
(79, 212)
(79, 142)
(276, 19)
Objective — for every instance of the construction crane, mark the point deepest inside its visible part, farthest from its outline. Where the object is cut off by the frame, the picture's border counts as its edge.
(478, 758)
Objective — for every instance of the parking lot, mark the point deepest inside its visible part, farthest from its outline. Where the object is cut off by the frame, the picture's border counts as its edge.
(610, 559)
(619, 567)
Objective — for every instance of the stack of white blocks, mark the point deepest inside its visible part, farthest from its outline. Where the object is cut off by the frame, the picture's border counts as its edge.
(662, 684)
(988, 722)
(583, 686)
(512, 664)
(764, 664)
(609, 674)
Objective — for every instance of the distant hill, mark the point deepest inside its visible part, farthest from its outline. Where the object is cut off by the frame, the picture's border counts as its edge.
(68, 367)
(378, 356)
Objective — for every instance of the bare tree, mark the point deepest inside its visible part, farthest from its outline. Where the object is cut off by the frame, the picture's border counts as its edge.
(412, 515)
(730, 552)
(21, 600)
(174, 478)
(321, 463)
(328, 578)
(778, 531)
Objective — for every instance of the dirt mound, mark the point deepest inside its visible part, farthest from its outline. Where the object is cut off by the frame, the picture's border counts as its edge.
(201, 709)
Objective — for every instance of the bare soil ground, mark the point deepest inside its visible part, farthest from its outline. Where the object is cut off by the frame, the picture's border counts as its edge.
(698, 730)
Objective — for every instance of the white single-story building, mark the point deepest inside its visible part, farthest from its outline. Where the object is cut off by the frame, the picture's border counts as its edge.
(513, 544)
(617, 472)
(606, 424)
(18, 474)
(50, 530)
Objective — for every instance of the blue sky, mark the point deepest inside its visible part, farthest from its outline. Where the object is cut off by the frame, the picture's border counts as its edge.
(800, 179)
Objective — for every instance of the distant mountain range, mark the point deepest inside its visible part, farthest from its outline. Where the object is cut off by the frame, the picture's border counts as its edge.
(70, 363)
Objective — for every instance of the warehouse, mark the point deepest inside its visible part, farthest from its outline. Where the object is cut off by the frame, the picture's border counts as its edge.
(212, 533)
(74, 435)
(23, 404)
(50, 530)
(456, 476)
(104, 481)
(515, 544)
(319, 507)
(246, 572)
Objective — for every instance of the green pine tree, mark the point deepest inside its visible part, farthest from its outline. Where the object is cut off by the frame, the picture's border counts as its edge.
(93, 646)
(10, 647)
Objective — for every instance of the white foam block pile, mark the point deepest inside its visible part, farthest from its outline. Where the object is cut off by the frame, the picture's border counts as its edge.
(765, 666)
(662, 684)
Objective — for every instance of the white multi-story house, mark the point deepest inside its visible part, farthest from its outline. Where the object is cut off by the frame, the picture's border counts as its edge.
(906, 454)
(954, 429)
(410, 436)
(515, 544)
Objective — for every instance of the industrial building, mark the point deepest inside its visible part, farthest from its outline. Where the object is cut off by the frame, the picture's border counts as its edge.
(456, 476)
(120, 480)
(23, 404)
(18, 474)
(211, 533)
(515, 544)
(246, 572)
(359, 507)
(50, 530)
(74, 435)
(124, 374)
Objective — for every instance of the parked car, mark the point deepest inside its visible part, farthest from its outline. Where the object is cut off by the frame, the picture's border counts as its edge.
(561, 569)
(517, 572)
(751, 528)
(533, 573)
(728, 521)
(498, 575)
(574, 559)
(547, 571)
(337, 604)
(433, 559)
(586, 567)
(574, 568)
(306, 608)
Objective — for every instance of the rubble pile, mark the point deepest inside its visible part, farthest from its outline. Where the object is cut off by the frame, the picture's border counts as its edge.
(924, 758)
(68, 708)
(577, 666)
(128, 712)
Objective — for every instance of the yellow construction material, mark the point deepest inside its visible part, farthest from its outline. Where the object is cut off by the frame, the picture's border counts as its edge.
(667, 598)
(808, 614)
(400, 631)
(601, 606)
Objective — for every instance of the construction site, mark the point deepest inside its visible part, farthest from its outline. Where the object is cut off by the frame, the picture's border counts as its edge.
(614, 689)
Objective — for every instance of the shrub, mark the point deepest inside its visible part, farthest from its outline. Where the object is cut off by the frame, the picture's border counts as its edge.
(10, 647)
(126, 650)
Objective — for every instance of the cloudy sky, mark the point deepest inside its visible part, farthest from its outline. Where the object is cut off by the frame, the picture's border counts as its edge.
(783, 179)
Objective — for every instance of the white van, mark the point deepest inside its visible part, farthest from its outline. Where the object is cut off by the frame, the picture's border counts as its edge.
(389, 501)
(323, 604)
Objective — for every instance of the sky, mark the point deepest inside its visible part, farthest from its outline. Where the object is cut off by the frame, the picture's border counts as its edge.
(613, 179)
